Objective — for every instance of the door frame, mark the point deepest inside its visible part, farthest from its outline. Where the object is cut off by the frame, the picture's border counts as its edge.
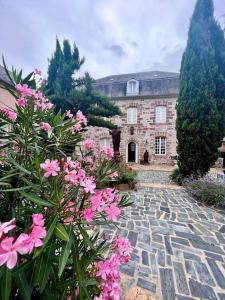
(136, 151)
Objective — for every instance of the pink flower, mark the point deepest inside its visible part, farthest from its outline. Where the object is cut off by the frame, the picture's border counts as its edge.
(123, 248)
(97, 202)
(24, 90)
(38, 220)
(51, 167)
(45, 126)
(112, 212)
(35, 238)
(22, 102)
(69, 114)
(114, 175)
(37, 72)
(81, 118)
(89, 184)
(69, 165)
(8, 250)
(89, 145)
(107, 152)
(88, 214)
(9, 113)
(6, 227)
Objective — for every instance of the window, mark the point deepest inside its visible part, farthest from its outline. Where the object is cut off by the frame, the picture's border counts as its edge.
(132, 115)
(105, 142)
(132, 87)
(160, 145)
(160, 114)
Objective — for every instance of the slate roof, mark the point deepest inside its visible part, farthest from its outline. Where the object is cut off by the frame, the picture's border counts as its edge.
(138, 76)
(153, 83)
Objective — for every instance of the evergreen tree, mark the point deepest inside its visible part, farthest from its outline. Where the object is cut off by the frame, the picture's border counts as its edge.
(200, 121)
(68, 93)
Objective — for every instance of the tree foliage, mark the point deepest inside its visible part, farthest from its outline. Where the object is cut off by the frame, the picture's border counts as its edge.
(200, 108)
(70, 93)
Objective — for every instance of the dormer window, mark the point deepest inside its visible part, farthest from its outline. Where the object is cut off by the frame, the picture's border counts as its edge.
(132, 87)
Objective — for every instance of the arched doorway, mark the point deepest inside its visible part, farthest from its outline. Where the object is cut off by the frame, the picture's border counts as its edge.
(131, 154)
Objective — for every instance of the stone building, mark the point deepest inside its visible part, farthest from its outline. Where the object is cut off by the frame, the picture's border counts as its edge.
(6, 99)
(147, 101)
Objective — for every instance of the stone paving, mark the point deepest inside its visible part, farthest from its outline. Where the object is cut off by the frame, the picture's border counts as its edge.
(179, 244)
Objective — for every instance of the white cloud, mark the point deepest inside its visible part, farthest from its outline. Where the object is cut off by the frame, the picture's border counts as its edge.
(115, 36)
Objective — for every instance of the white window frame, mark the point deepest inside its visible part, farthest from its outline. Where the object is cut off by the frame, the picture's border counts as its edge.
(158, 145)
(132, 87)
(105, 142)
(132, 115)
(160, 114)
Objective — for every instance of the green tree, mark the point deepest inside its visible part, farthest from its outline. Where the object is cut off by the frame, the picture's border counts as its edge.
(69, 93)
(200, 121)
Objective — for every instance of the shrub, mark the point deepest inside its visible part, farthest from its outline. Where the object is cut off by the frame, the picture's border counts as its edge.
(207, 192)
(51, 206)
(127, 175)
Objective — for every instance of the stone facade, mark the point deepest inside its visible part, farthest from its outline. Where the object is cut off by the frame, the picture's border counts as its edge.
(151, 90)
(6, 99)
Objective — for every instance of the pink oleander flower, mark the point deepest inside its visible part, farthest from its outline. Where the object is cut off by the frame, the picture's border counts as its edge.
(89, 145)
(108, 195)
(76, 128)
(9, 249)
(112, 212)
(81, 118)
(70, 165)
(107, 152)
(35, 238)
(123, 248)
(24, 90)
(37, 72)
(89, 184)
(22, 102)
(45, 126)
(38, 220)
(97, 202)
(51, 167)
(69, 114)
(75, 177)
(88, 214)
(9, 113)
(6, 227)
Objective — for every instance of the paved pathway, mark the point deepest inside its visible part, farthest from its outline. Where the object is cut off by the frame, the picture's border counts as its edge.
(179, 245)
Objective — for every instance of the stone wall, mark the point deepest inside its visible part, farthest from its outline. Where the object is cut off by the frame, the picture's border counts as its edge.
(145, 130)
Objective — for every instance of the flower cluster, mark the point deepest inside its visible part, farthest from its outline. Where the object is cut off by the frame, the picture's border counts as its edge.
(103, 201)
(108, 270)
(107, 152)
(9, 113)
(80, 121)
(23, 244)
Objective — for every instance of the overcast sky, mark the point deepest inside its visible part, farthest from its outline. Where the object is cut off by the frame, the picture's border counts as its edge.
(115, 36)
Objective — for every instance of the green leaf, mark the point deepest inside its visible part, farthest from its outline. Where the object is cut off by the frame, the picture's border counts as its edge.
(16, 189)
(65, 253)
(6, 285)
(19, 167)
(50, 229)
(61, 232)
(25, 289)
(47, 267)
(36, 199)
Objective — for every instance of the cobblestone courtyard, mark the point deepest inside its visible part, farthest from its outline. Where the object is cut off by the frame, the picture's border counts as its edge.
(179, 244)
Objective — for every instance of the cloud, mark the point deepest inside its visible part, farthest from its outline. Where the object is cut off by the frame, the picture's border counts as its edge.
(117, 50)
(114, 36)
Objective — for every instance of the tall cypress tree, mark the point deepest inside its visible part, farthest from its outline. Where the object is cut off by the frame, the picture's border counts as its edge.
(200, 121)
(68, 93)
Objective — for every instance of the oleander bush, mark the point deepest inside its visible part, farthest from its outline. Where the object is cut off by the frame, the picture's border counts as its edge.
(206, 191)
(51, 204)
